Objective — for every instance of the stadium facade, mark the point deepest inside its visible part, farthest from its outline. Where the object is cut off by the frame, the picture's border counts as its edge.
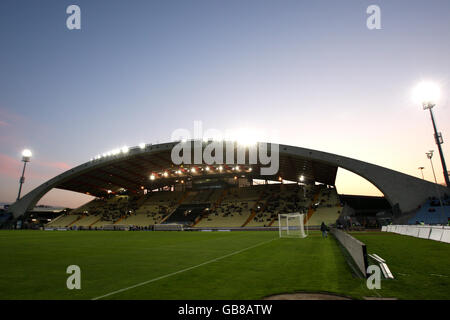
(150, 167)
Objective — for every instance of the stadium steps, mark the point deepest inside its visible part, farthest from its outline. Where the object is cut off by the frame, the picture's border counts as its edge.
(187, 213)
(118, 220)
(95, 222)
(273, 220)
(326, 215)
(76, 220)
(311, 210)
(55, 220)
(213, 208)
(254, 212)
(141, 200)
(86, 221)
(180, 202)
(64, 221)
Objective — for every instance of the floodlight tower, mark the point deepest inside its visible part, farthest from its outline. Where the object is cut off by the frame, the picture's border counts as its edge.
(430, 156)
(428, 93)
(26, 157)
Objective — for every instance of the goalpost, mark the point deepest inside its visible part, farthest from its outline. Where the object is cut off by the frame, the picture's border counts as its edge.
(291, 225)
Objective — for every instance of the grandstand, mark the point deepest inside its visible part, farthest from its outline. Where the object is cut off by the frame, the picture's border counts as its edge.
(432, 212)
(228, 207)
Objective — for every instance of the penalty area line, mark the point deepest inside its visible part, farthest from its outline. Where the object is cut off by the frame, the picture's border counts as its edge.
(180, 271)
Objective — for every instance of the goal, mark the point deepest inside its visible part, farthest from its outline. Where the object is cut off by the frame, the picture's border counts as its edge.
(291, 225)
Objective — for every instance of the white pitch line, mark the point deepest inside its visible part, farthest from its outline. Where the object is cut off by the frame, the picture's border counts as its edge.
(181, 271)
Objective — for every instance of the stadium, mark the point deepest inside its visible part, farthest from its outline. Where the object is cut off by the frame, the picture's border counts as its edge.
(223, 220)
(312, 168)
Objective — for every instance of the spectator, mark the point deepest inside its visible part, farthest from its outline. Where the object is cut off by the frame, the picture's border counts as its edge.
(323, 228)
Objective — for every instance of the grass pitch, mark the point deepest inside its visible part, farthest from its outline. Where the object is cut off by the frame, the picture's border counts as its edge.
(202, 265)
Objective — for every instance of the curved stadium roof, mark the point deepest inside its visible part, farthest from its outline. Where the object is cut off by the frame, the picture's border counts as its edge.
(132, 171)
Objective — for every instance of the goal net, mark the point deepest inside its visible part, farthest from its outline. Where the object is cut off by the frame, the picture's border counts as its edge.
(291, 225)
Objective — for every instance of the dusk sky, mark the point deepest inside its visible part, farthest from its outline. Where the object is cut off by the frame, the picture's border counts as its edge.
(304, 73)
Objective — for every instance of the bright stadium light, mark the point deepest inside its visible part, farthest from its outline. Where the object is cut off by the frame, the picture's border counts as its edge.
(428, 94)
(244, 137)
(26, 157)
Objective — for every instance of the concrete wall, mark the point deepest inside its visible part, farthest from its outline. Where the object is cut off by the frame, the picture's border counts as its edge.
(354, 247)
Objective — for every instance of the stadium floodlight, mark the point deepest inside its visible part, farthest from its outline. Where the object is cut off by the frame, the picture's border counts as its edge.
(291, 225)
(26, 157)
(430, 156)
(428, 94)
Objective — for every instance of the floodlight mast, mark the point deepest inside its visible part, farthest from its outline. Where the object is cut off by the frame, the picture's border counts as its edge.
(26, 157)
(438, 139)
(430, 156)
